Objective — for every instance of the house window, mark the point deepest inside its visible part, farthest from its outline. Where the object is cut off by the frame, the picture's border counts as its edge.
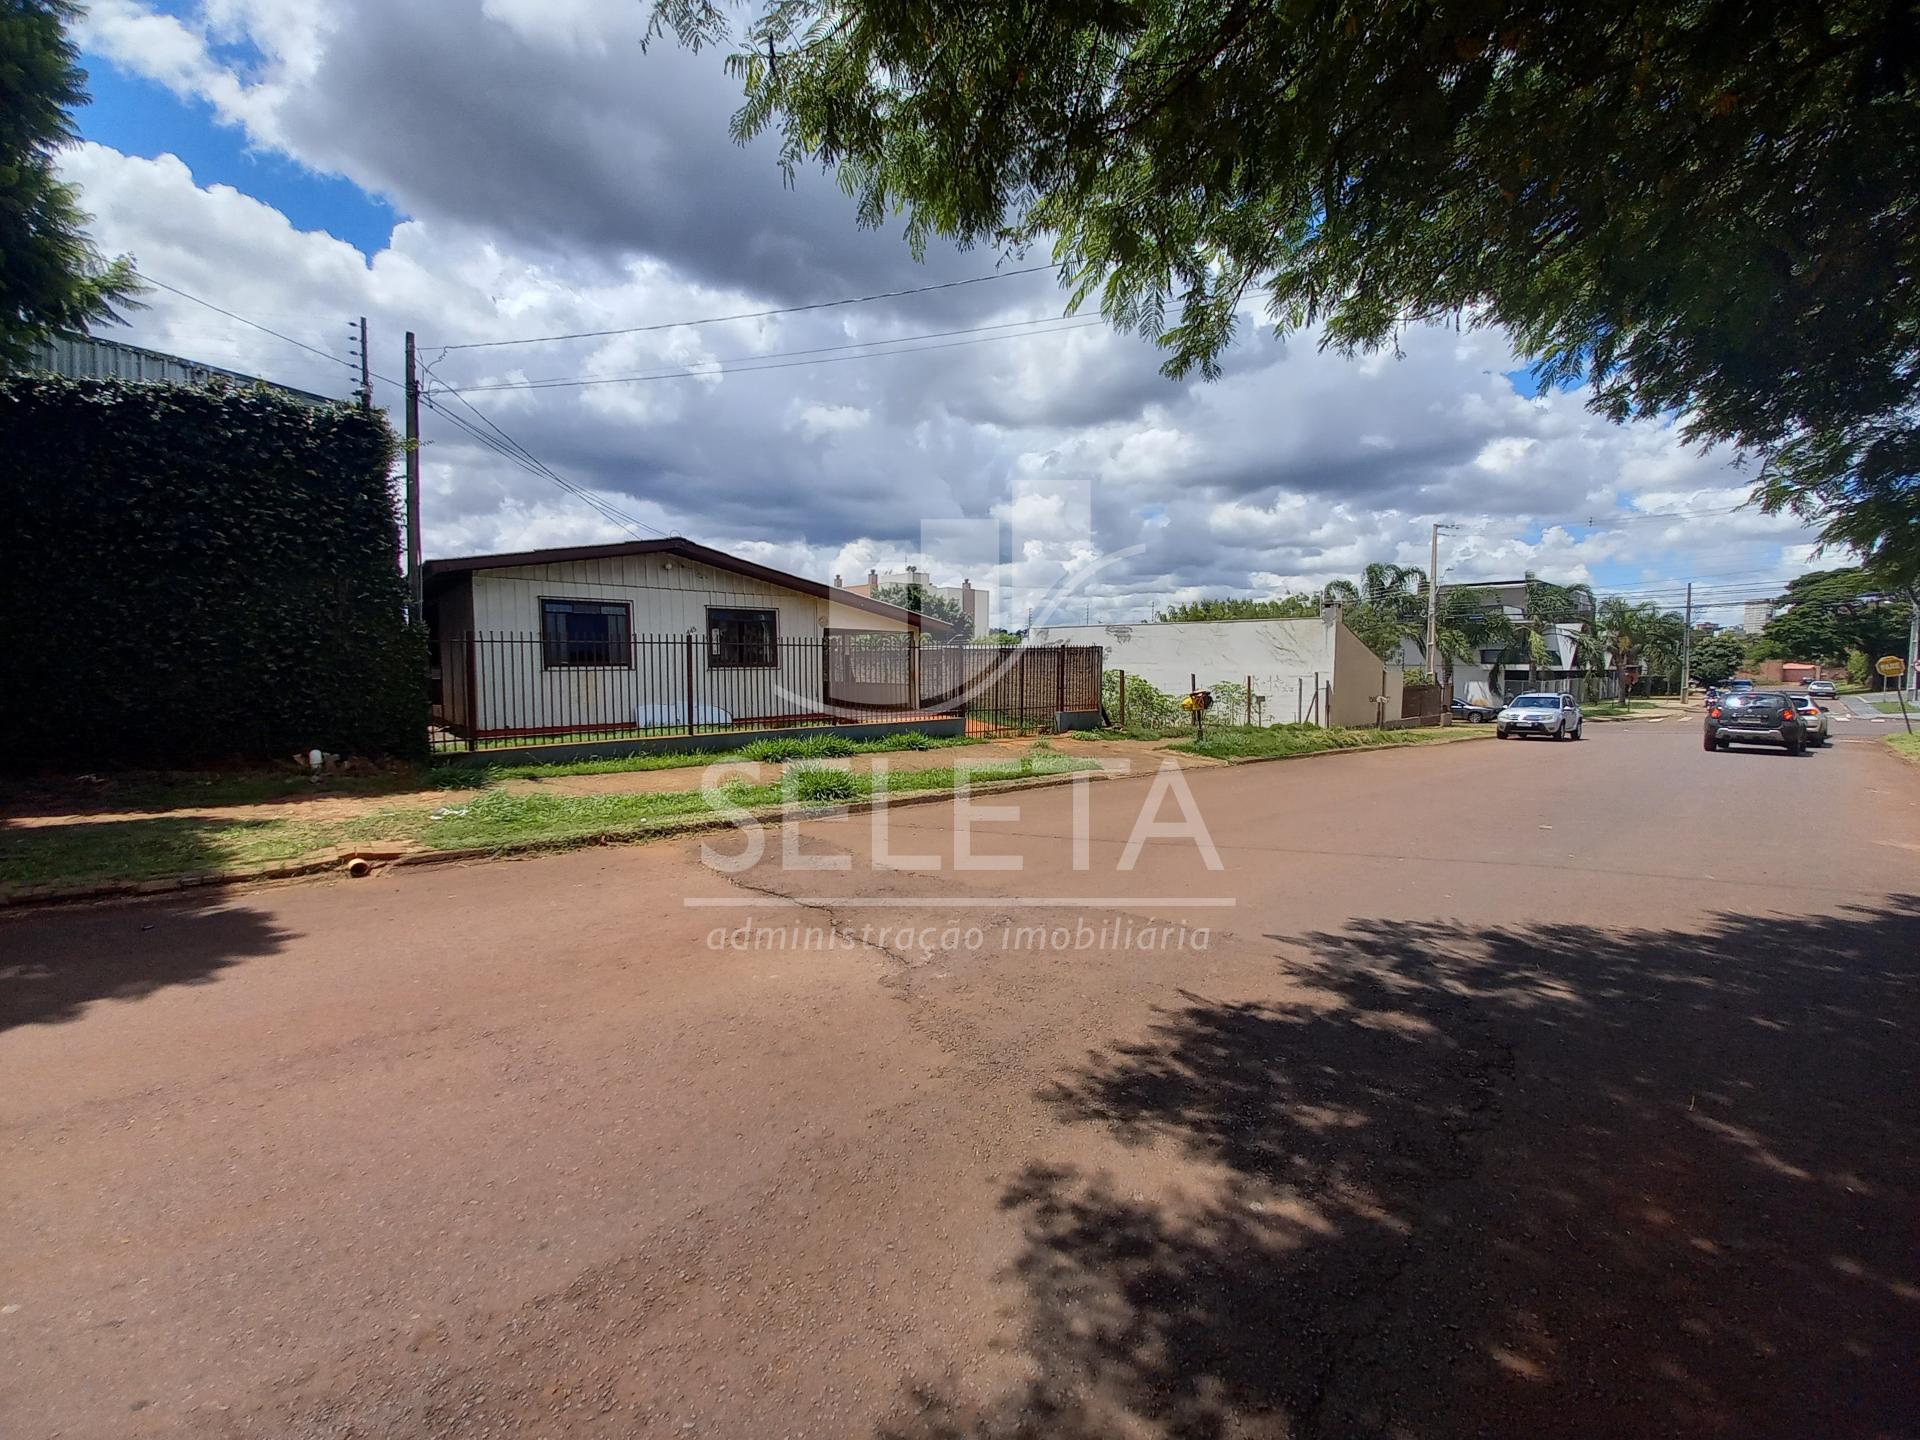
(579, 634)
(741, 639)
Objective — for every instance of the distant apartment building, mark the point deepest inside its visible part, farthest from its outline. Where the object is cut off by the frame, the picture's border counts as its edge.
(1755, 614)
(976, 605)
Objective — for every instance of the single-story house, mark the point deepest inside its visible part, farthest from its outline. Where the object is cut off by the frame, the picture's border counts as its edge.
(651, 636)
(1301, 670)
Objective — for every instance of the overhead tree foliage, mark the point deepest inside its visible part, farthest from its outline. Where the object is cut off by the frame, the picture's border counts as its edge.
(51, 278)
(1698, 208)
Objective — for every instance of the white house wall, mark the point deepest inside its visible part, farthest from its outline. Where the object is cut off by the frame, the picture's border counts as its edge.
(1285, 658)
(669, 597)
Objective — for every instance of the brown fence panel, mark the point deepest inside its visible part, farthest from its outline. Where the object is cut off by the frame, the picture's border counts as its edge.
(1422, 700)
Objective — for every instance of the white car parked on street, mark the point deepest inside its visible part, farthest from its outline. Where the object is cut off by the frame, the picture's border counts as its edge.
(1539, 714)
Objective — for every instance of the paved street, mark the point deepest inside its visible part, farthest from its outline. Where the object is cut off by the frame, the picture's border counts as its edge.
(1517, 1089)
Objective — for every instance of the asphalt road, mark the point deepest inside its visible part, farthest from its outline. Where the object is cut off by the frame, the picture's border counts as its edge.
(1518, 1089)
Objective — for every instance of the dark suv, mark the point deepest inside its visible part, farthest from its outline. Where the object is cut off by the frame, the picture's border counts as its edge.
(1756, 717)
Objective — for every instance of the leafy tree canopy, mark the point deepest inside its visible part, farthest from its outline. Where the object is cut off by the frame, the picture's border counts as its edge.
(924, 600)
(1716, 657)
(51, 278)
(1693, 207)
(1281, 607)
(1828, 614)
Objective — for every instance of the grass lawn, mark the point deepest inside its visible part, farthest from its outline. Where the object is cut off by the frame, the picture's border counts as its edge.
(1892, 707)
(1907, 747)
(1241, 743)
(155, 847)
(1608, 709)
(179, 790)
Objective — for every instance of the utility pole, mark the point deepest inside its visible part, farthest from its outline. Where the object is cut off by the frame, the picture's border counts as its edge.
(366, 369)
(1433, 592)
(1913, 653)
(415, 582)
(1686, 647)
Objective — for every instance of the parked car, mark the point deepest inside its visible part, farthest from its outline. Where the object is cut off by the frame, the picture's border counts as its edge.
(1539, 714)
(1473, 713)
(1813, 715)
(1822, 689)
(1756, 717)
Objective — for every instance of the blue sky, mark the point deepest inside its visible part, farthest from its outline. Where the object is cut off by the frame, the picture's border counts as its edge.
(138, 117)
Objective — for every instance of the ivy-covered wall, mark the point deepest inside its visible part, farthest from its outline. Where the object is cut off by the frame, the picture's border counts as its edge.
(192, 575)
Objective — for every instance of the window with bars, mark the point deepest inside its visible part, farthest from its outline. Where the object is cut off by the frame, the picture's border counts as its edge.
(586, 634)
(742, 639)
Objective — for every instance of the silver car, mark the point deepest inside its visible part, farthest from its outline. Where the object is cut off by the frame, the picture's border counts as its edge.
(1539, 714)
(1814, 716)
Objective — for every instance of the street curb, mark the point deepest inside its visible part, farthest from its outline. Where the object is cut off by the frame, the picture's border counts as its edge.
(342, 857)
(1477, 732)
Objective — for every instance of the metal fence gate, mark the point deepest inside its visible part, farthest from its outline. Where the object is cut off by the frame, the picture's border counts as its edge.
(495, 689)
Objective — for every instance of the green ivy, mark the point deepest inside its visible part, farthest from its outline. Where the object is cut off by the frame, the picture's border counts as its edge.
(192, 575)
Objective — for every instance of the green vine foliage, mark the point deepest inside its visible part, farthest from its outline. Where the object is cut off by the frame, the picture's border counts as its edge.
(198, 575)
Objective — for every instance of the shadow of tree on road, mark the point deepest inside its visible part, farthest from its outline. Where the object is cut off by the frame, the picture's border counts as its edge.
(1507, 1180)
(53, 964)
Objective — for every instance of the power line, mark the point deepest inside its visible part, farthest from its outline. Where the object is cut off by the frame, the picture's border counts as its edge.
(750, 314)
(744, 363)
(504, 445)
(745, 367)
(352, 365)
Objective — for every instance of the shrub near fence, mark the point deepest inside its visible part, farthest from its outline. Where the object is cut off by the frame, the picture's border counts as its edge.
(192, 575)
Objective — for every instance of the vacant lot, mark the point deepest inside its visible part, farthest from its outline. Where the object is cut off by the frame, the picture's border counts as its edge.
(1504, 1097)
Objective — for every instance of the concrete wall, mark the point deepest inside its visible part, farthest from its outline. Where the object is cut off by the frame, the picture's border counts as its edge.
(1285, 658)
(669, 597)
(1365, 687)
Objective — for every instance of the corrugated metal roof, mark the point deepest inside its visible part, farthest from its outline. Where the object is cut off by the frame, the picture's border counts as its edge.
(88, 357)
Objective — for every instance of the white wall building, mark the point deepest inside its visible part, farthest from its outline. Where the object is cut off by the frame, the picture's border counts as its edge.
(1504, 671)
(637, 636)
(1755, 614)
(1287, 662)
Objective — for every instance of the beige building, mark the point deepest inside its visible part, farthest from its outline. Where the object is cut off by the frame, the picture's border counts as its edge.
(976, 605)
(651, 635)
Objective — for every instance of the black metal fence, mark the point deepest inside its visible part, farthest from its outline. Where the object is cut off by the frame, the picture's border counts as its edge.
(495, 690)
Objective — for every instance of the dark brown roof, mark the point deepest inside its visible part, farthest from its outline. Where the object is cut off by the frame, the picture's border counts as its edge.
(686, 550)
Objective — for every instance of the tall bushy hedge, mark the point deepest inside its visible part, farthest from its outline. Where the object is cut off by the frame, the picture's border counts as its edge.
(192, 575)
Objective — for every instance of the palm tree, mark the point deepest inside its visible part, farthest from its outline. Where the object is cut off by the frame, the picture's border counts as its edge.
(1642, 633)
(1468, 621)
(1549, 605)
(1621, 627)
(1387, 606)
